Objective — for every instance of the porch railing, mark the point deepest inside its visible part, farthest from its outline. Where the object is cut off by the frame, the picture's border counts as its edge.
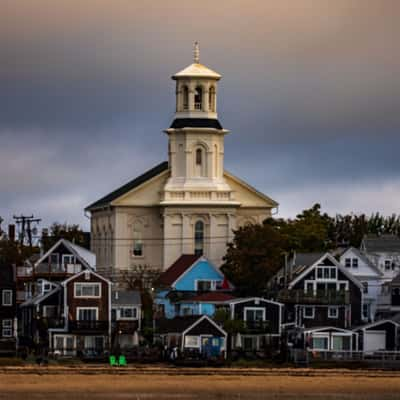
(85, 326)
(320, 297)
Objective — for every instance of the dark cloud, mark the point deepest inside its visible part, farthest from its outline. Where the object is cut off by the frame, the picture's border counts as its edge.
(310, 92)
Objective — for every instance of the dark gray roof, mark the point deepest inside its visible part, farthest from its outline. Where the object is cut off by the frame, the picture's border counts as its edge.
(125, 297)
(196, 123)
(380, 244)
(158, 169)
(305, 259)
(176, 324)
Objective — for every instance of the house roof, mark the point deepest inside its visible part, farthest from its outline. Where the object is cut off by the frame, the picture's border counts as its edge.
(198, 71)
(151, 173)
(380, 244)
(364, 258)
(376, 323)
(179, 123)
(211, 297)
(176, 324)
(40, 297)
(181, 265)
(125, 297)
(88, 258)
(325, 256)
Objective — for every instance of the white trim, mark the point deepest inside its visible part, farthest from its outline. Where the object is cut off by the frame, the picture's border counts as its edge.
(245, 299)
(87, 308)
(82, 272)
(304, 312)
(245, 309)
(201, 258)
(66, 243)
(10, 292)
(98, 284)
(336, 264)
(372, 324)
(333, 308)
(328, 328)
(201, 319)
(11, 328)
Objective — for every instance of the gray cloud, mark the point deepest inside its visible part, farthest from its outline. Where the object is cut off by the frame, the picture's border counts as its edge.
(310, 92)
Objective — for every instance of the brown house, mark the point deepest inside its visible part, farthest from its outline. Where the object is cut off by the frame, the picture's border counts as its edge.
(87, 311)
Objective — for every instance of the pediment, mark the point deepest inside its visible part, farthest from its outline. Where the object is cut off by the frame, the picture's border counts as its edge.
(246, 195)
(147, 194)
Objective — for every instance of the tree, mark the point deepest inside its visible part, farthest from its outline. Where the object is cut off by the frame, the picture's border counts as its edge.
(253, 257)
(58, 231)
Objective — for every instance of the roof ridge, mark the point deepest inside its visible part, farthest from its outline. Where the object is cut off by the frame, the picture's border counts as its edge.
(151, 173)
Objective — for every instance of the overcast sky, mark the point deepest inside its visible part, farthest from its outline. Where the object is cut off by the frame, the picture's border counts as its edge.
(310, 92)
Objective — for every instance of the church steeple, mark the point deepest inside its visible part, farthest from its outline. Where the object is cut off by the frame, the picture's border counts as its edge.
(196, 90)
(196, 139)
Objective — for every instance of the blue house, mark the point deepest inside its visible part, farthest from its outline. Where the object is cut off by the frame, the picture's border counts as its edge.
(192, 285)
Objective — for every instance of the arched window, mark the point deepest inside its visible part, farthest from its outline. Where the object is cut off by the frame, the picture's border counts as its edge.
(199, 238)
(198, 98)
(211, 99)
(137, 249)
(199, 162)
(185, 93)
(199, 157)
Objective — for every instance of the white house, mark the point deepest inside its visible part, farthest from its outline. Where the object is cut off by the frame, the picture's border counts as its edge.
(369, 275)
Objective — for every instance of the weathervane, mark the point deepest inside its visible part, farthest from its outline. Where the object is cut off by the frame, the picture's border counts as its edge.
(196, 53)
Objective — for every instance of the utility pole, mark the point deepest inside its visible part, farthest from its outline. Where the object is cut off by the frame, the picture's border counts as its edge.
(25, 223)
(1, 231)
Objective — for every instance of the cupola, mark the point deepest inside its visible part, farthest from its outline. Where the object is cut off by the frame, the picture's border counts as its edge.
(196, 91)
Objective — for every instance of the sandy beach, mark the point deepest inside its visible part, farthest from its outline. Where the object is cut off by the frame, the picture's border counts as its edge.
(142, 386)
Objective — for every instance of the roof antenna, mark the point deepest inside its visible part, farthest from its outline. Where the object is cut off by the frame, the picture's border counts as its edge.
(196, 53)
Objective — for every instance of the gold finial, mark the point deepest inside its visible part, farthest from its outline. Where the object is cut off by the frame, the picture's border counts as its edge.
(196, 53)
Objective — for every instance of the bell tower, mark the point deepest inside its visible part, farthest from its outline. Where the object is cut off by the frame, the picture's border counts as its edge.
(196, 139)
(196, 90)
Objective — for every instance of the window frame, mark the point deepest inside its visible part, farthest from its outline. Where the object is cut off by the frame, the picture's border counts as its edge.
(4, 327)
(78, 309)
(309, 308)
(347, 262)
(98, 284)
(330, 308)
(246, 309)
(122, 308)
(354, 263)
(196, 343)
(10, 293)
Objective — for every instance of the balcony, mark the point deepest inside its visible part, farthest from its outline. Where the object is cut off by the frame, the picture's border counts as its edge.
(24, 272)
(257, 326)
(125, 326)
(88, 326)
(323, 297)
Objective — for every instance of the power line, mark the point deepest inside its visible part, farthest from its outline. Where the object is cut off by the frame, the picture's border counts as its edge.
(25, 223)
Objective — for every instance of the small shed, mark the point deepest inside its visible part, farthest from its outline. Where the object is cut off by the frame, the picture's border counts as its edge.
(378, 336)
(193, 333)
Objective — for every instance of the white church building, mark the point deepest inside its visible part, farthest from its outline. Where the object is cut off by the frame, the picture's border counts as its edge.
(188, 205)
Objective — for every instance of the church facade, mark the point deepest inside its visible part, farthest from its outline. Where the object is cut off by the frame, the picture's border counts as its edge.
(188, 205)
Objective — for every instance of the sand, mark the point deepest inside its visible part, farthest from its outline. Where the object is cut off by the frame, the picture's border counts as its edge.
(106, 386)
